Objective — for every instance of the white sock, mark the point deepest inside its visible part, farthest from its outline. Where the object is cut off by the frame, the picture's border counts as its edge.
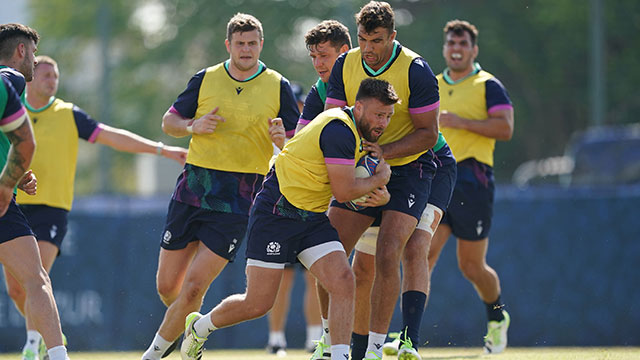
(204, 326)
(314, 332)
(277, 338)
(376, 341)
(339, 352)
(158, 346)
(33, 340)
(57, 353)
(325, 331)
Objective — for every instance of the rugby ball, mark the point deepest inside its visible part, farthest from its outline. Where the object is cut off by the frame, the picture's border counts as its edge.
(365, 167)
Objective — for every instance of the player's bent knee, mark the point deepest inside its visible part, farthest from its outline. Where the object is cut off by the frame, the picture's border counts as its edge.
(364, 272)
(192, 292)
(470, 269)
(167, 292)
(16, 293)
(387, 263)
(342, 282)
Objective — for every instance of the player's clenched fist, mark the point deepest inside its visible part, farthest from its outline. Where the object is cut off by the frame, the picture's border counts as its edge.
(207, 123)
(277, 132)
(383, 169)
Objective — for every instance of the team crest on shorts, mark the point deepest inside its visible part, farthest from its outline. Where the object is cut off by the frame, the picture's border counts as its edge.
(273, 248)
(166, 237)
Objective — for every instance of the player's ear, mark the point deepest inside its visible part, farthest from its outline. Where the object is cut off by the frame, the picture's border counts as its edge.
(343, 49)
(393, 35)
(228, 45)
(476, 51)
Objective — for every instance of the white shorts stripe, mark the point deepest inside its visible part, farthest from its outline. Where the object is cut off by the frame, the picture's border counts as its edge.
(264, 264)
(310, 255)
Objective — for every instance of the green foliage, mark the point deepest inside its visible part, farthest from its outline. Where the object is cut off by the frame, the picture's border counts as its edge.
(539, 49)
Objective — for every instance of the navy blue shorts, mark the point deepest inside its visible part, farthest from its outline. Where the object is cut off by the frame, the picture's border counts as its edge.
(13, 224)
(409, 187)
(445, 179)
(221, 232)
(471, 208)
(48, 223)
(276, 239)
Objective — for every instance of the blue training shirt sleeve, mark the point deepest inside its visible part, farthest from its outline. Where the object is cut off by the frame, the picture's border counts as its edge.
(423, 87)
(12, 112)
(496, 96)
(86, 125)
(187, 102)
(15, 78)
(313, 105)
(337, 142)
(289, 112)
(335, 87)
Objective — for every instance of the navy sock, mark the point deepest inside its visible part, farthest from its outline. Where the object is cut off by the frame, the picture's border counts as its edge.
(413, 303)
(359, 345)
(494, 310)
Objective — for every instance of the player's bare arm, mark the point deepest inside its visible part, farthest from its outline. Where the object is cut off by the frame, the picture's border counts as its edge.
(424, 137)
(23, 145)
(177, 126)
(499, 124)
(346, 187)
(277, 132)
(124, 140)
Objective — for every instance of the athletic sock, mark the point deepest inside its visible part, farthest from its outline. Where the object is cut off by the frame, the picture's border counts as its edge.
(359, 345)
(314, 332)
(376, 340)
(204, 326)
(57, 353)
(277, 338)
(33, 340)
(157, 348)
(494, 310)
(325, 331)
(339, 352)
(413, 303)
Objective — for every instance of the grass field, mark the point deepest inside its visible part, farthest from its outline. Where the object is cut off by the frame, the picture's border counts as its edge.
(555, 353)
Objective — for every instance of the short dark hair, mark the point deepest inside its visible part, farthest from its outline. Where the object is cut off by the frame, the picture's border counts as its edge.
(376, 14)
(242, 23)
(459, 27)
(328, 30)
(13, 34)
(380, 90)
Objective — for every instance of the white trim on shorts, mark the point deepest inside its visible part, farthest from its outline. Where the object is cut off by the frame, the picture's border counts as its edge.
(310, 255)
(264, 264)
(367, 242)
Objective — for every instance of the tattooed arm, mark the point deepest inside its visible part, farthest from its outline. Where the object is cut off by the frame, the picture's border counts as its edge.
(19, 158)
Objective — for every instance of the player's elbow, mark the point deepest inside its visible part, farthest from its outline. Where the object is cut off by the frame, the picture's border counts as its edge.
(165, 120)
(343, 194)
(506, 133)
(341, 197)
(429, 137)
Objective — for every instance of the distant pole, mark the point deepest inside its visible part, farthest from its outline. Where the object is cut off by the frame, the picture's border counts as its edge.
(598, 70)
(105, 158)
